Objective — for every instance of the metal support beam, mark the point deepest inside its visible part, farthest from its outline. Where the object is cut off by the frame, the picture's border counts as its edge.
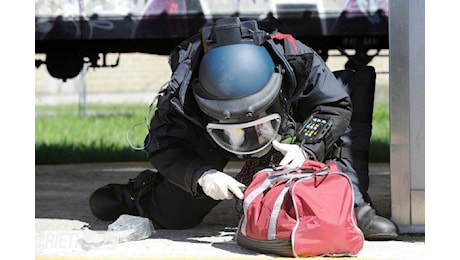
(407, 114)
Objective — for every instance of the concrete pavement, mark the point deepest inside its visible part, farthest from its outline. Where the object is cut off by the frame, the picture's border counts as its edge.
(65, 227)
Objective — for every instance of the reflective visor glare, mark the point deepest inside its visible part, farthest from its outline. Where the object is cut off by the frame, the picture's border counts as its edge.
(246, 138)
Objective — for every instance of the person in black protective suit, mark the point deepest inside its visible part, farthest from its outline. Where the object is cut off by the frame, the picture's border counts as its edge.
(248, 98)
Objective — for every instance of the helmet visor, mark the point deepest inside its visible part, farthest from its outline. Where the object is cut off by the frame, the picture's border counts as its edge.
(246, 138)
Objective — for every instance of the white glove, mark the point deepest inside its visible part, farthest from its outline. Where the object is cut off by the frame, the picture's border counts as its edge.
(220, 186)
(294, 156)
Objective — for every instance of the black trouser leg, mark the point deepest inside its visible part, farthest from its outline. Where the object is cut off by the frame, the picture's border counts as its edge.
(345, 165)
(362, 90)
(171, 207)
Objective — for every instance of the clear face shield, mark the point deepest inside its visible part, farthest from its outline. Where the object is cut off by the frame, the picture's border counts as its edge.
(246, 138)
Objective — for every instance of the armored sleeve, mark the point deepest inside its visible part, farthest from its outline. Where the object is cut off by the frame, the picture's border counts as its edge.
(323, 96)
(179, 149)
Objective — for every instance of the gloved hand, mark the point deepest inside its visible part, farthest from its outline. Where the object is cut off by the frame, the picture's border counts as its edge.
(220, 186)
(294, 156)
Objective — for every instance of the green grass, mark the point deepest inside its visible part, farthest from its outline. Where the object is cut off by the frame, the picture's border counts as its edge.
(63, 136)
(380, 141)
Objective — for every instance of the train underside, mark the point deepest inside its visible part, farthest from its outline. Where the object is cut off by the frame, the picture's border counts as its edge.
(85, 36)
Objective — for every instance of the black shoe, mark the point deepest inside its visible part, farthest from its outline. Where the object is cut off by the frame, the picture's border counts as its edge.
(374, 226)
(112, 200)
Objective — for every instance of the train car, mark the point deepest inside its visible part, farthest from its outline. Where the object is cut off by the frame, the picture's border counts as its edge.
(74, 33)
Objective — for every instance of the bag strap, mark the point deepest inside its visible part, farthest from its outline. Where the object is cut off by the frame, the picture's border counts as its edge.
(250, 198)
(271, 233)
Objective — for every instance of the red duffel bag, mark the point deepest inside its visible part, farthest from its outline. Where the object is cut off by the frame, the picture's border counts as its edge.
(300, 212)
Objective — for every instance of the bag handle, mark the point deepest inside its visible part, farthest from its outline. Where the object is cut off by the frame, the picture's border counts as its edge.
(310, 168)
(314, 166)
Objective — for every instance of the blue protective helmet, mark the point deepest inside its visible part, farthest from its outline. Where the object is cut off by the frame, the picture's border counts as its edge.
(237, 87)
(236, 82)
